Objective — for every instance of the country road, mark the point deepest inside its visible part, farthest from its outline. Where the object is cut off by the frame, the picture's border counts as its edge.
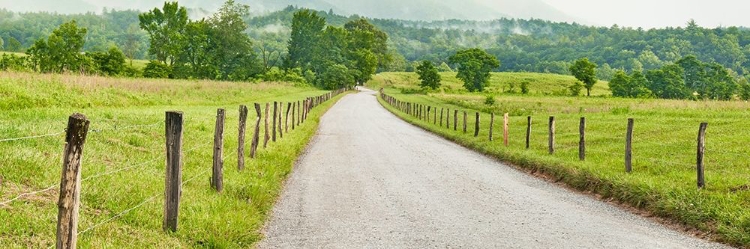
(371, 180)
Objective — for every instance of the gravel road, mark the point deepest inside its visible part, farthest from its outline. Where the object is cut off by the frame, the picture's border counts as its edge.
(371, 180)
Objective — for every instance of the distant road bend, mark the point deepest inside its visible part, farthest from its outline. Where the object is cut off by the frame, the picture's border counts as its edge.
(371, 180)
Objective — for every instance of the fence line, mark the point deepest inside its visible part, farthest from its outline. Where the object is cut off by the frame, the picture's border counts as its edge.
(120, 214)
(54, 186)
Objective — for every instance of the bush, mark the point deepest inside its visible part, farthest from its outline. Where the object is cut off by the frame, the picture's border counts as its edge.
(155, 69)
(575, 89)
(490, 100)
(525, 87)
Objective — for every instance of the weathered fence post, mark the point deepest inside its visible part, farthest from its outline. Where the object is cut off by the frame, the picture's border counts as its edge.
(299, 112)
(294, 107)
(173, 188)
(217, 178)
(429, 109)
(455, 120)
(629, 146)
(434, 117)
(476, 125)
(492, 124)
(256, 134)
(506, 132)
(465, 118)
(241, 138)
(582, 141)
(552, 135)
(70, 182)
(286, 118)
(281, 119)
(442, 111)
(265, 118)
(701, 154)
(275, 112)
(528, 133)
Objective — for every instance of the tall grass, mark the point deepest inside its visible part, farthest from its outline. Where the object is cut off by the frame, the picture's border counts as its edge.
(123, 163)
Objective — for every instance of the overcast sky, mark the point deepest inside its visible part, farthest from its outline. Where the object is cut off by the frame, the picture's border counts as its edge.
(658, 13)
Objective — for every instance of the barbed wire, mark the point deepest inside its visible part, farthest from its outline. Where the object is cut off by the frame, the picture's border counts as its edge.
(31, 137)
(120, 214)
(51, 187)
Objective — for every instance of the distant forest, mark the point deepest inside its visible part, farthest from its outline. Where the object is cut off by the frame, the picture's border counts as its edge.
(520, 45)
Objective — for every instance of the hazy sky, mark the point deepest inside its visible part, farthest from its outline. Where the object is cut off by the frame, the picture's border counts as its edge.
(657, 13)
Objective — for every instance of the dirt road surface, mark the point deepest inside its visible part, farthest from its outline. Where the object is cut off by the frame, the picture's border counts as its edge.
(371, 180)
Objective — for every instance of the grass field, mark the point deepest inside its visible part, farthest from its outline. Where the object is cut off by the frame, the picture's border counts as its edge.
(663, 181)
(123, 164)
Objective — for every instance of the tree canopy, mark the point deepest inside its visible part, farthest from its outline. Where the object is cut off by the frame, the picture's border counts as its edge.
(428, 75)
(474, 67)
(584, 71)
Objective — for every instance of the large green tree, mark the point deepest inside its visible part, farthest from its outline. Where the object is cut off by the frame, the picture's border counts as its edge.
(61, 51)
(585, 71)
(165, 27)
(428, 75)
(307, 32)
(231, 50)
(474, 67)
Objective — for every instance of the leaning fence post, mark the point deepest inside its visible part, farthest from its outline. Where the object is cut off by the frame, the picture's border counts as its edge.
(217, 178)
(528, 133)
(582, 141)
(173, 188)
(629, 147)
(70, 182)
(241, 138)
(256, 133)
(476, 125)
(701, 154)
(552, 135)
(286, 117)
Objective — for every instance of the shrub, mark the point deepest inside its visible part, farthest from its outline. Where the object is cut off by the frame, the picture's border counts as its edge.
(155, 69)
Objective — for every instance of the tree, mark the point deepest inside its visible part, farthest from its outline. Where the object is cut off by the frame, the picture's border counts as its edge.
(668, 82)
(307, 31)
(231, 50)
(62, 50)
(364, 35)
(336, 76)
(13, 45)
(2, 44)
(585, 71)
(429, 76)
(619, 84)
(474, 66)
(110, 63)
(165, 27)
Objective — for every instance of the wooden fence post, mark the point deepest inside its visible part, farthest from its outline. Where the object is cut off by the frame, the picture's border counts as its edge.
(448, 118)
(582, 142)
(701, 154)
(442, 111)
(434, 117)
(265, 118)
(275, 112)
(173, 188)
(429, 109)
(476, 125)
(629, 147)
(217, 178)
(528, 133)
(506, 132)
(465, 118)
(241, 138)
(286, 118)
(551, 135)
(492, 124)
(70, 182)
(299, 112)
(294, 107)
(256, 134)
(281, 120)
(455, 120)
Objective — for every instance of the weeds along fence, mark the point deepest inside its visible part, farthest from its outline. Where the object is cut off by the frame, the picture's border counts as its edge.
(283, 118)
(458, 121)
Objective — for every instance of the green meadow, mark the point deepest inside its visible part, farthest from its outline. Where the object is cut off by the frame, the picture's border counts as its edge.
(123, 169)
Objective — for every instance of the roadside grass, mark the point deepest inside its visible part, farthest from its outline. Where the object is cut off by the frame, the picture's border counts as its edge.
(663, 181)
(123, 164)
